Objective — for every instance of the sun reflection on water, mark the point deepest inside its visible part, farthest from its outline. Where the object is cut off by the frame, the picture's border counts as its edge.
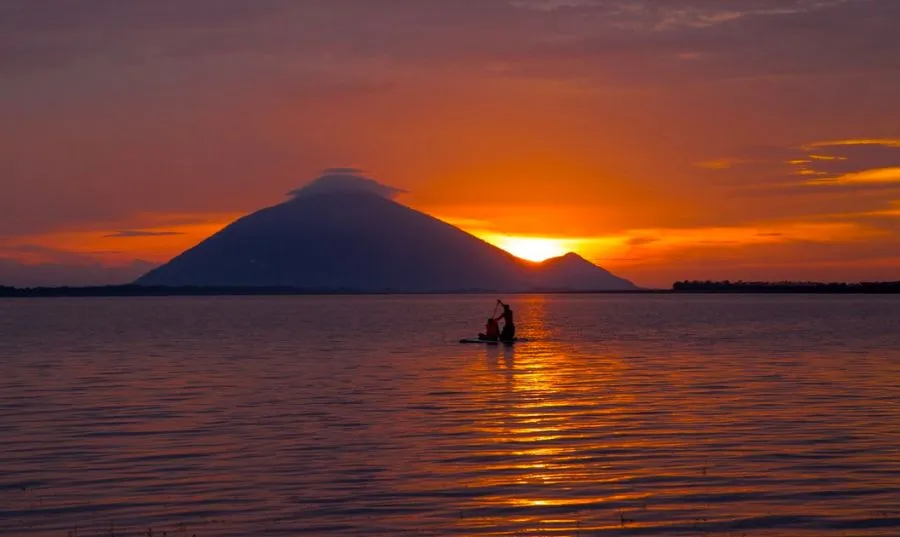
(540, 422)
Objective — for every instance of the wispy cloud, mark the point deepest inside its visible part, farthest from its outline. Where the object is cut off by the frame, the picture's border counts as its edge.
(853, 163)
(884, 142)
(876, 176)
(129, 233)
(469, 223)
(721, 164)
(653, 14)
(825, 157)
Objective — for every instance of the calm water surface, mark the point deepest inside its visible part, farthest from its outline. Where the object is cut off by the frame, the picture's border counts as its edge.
(641, 415)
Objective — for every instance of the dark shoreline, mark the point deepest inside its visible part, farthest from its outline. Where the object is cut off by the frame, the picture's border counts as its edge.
(879, 288)
(147, 291)
(678, 288)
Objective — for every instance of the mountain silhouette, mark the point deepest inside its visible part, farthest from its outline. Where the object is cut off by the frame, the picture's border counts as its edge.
(342, 232)
(573, 272)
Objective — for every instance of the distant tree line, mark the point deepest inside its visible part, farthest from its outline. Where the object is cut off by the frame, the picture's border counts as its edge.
(727, 286)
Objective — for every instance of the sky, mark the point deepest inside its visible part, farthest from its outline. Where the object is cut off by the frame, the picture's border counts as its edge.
(663, 140)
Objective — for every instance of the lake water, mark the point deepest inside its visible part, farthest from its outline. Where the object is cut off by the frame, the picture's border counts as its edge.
(284, 416)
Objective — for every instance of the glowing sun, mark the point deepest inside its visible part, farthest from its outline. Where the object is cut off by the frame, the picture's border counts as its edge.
(532, 248)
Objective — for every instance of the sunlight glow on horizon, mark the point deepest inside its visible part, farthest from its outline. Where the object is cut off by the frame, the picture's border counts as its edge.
(530, 248)
(648, 256)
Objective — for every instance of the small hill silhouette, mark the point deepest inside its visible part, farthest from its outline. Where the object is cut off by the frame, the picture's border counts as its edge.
(342, 232)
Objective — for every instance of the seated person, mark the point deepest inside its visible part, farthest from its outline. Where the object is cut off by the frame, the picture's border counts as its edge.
(491, 331)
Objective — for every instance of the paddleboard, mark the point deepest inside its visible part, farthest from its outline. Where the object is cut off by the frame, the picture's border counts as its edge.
(489, 342)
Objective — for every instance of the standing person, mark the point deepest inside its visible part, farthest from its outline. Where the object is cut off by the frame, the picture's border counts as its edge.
(509, 325)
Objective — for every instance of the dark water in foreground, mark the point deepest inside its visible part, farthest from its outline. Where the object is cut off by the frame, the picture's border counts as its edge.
(641, 415)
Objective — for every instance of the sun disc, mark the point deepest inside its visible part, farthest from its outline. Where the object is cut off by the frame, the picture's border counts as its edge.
(533, 248)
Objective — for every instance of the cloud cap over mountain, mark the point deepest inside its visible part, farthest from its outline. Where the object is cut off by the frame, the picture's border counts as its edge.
(345, 180)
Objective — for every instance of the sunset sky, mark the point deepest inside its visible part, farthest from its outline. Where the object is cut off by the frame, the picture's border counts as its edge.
(661, 139)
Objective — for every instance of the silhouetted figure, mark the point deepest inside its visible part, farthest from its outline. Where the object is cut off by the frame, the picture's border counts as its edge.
(509, 325)
(491, 331)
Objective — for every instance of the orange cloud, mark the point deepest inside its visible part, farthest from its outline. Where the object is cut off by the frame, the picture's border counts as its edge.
(880, 175)
(826, 157)
(144, 238)
(885, 142)
(720, 164)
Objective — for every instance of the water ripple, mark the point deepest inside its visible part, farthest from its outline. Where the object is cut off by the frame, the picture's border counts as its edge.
(645, 415)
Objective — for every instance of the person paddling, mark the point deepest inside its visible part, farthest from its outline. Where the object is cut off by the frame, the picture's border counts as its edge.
(509, 325)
